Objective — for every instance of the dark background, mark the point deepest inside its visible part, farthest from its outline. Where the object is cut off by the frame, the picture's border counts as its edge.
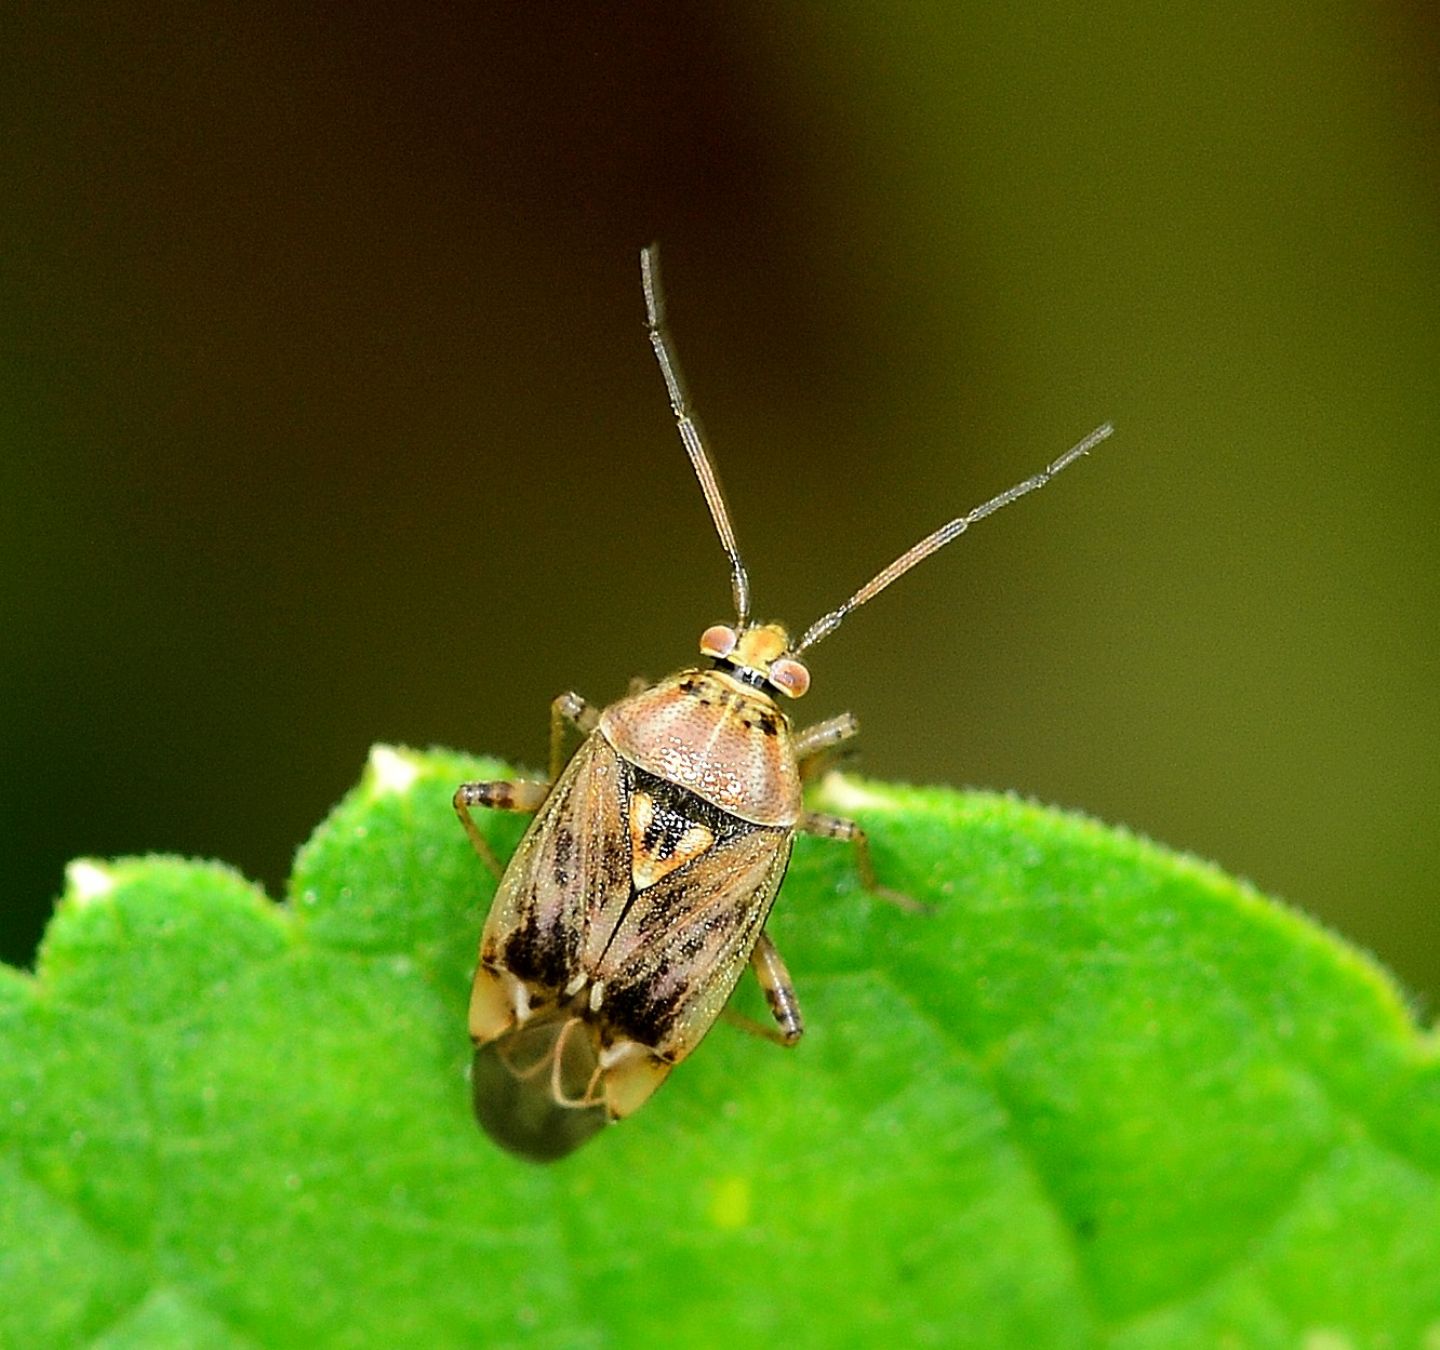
(326, 415)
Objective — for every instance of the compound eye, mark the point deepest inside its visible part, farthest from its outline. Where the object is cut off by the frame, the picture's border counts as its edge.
(718, 641)
(790, 677)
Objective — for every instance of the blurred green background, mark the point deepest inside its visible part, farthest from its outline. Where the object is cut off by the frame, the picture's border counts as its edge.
(327, 415)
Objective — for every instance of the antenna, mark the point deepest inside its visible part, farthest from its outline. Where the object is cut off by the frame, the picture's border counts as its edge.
(690, 435)
(828, 623)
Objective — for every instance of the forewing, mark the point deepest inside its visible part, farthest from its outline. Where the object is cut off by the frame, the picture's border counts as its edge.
(567, 885)
(685, 941)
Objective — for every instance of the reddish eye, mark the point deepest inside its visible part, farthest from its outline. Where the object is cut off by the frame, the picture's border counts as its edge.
(790, 676)
(718, 640)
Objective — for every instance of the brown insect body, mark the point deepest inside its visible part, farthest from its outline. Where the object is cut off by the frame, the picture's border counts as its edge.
(631, 906)
(641, 890)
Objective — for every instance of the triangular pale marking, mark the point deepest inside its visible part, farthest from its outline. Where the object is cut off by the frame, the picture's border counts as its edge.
(659, 856)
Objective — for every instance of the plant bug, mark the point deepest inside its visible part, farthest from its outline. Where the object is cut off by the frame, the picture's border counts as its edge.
(641, 889)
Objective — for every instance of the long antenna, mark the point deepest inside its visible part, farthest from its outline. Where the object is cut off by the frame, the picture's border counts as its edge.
(689, 431)
(828, 623)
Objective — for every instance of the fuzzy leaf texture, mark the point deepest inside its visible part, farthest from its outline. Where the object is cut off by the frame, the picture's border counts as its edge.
(1101, 1095)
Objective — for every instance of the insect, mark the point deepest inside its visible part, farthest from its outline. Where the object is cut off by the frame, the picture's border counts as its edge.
(641, 889)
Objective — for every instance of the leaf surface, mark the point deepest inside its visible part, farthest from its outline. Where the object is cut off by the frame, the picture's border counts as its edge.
(1099, 1095)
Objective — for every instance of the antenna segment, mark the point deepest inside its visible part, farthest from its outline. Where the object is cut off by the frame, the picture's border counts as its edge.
(828, 623)
(690, 435)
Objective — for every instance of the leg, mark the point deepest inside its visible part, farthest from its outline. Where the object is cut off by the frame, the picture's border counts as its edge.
(502, 794)
(837, 827)
(567, 710)
(779, 993)
(522, 794)
(813, 745)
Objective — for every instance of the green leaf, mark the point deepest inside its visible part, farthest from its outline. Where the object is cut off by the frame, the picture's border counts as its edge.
(1101, 1094)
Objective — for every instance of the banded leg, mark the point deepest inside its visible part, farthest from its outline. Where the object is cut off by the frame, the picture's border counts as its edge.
(837, 827)
(499, 794)
(813, 746)
(522, 794)
(779, 991)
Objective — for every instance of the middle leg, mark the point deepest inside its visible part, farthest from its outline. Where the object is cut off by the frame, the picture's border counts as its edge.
(825, 826)
(522, 794)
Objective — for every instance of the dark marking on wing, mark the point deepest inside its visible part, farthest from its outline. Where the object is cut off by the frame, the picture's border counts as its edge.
(564, 853)
(676, 946)
(678, 804)
(545, 955)
(642, 1012)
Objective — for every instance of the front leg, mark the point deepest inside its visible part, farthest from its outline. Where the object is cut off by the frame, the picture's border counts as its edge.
(822, 736)
(569, 710)
(815, 746)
